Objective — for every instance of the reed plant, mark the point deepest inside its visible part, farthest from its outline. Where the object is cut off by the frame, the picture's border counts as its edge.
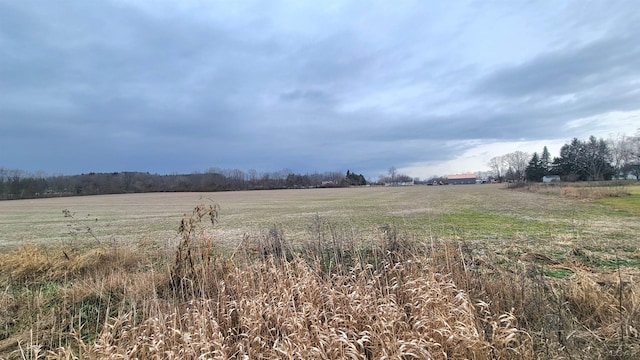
(390, 296)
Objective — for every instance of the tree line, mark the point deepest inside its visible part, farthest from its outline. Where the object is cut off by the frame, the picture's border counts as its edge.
(579, 160)
(395, 177)
(17, 184)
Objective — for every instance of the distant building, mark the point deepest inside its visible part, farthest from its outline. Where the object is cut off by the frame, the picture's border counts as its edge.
(551, 179)
(460, 179)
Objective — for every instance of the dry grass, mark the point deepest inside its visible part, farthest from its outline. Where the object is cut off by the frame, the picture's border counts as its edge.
(395, 298)
(271, 311)
(274, 308)
(585, 190)
(35, 264)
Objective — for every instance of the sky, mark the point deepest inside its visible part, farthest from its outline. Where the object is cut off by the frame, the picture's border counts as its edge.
(427, 87)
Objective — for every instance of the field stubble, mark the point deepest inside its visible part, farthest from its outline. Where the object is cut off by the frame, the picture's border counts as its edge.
(416, 272)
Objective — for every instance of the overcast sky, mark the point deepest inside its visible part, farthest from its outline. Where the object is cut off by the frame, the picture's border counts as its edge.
(429, 87)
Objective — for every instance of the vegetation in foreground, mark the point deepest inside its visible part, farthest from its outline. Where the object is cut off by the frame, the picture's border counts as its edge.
(393, 296)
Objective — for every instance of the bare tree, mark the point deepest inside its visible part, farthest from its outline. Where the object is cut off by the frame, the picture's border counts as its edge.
(634, 163)
(517, 161)
(252, 175)
(625, 152)
(498, 166)
(392, 173)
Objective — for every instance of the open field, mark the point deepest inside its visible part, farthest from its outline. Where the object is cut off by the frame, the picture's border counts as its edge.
(475, 271)
(486, 214)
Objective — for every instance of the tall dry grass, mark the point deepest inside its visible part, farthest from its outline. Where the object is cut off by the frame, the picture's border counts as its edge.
(289, 311)
(331, 297)
(578, 190)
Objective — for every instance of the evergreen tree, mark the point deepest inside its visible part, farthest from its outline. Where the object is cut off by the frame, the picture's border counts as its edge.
(584, 160)
(570, 165)
(597, 159)
(354, 179)
(535, 170)
(545, 160)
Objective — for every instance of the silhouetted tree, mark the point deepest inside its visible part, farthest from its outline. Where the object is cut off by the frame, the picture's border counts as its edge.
(353, 179)
(584, 160)
(535, 169)
(546, 160)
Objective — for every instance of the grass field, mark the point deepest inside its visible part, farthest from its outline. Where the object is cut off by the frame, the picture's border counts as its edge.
(532, 273)
(484, 212)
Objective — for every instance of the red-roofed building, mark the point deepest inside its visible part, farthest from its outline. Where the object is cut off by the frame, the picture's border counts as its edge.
(459, 179)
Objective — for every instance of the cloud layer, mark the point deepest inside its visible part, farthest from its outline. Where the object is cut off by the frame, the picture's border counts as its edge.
(187, 85)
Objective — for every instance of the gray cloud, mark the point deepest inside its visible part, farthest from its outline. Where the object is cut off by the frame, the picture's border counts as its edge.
(312, 97)
(172, 87)
(604, 63)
